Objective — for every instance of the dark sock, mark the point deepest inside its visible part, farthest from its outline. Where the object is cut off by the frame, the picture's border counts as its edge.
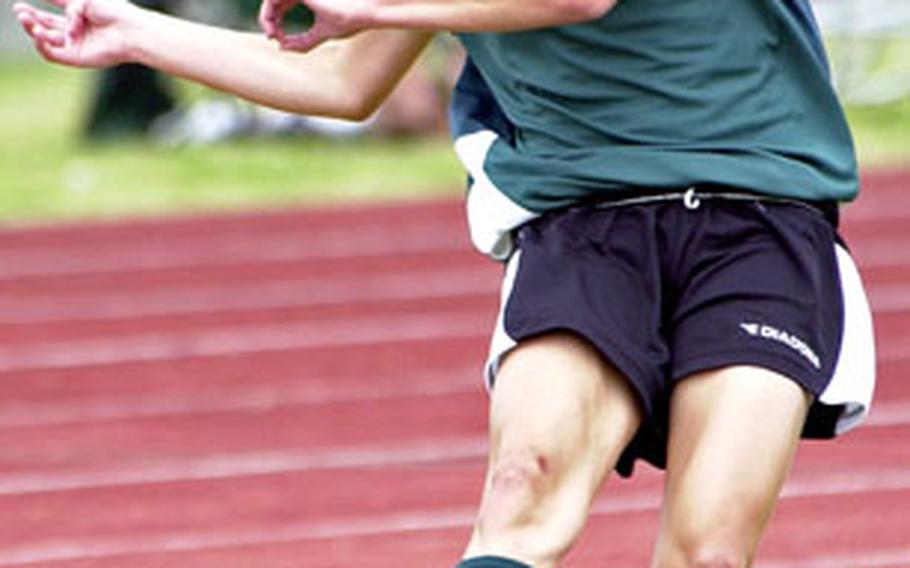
(491, 562)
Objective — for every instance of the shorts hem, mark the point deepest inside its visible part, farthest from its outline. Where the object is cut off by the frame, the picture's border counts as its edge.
(631, 372)
(822, 419)
(713, 361)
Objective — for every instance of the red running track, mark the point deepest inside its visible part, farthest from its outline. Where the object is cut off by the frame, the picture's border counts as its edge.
(301, 389)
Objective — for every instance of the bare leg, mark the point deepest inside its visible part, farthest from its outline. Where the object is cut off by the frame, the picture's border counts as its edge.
(560, 416)
(733, 433)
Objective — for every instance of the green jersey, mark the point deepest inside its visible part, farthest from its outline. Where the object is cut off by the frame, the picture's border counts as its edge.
(657, 95)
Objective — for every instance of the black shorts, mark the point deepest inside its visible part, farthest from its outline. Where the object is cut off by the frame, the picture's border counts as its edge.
(669, 287)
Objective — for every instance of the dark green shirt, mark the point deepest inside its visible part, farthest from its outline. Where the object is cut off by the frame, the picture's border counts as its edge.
(656, 95)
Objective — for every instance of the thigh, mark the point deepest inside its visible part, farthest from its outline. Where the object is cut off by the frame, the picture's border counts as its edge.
(733, 434)
(559, 391)
(560, 416)
(594, 273)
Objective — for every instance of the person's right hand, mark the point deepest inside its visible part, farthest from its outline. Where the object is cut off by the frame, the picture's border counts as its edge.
(332, 19)
(90, 33)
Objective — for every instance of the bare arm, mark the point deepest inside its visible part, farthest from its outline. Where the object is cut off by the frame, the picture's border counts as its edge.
(485, 15)
(342, 18)
(345, 79)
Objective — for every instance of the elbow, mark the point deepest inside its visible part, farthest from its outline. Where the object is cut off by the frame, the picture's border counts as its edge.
(584, 10)
(341, 102)
(360, 96)
(356, 98)
(365, 106)
(357, 107)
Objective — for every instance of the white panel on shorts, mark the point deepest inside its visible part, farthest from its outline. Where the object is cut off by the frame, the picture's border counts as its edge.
(491, 214)
(502, 343)
(853, 382)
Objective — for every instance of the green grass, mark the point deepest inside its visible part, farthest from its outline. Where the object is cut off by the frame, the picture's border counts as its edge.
(867, 66)
(882, 134)
(47, 174)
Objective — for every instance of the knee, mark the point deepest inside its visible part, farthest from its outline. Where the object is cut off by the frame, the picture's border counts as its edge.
(522, 514)
(705, 553)
(716, 558)
(518, 483)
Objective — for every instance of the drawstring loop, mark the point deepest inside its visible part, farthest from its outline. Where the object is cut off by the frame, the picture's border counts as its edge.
(691, 200)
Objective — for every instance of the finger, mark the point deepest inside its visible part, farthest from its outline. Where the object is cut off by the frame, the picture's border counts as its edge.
(22, 9)
(273, 18)
(57, 3)
(42, 50)
(36, 30)
(51, 37)
(271, 14)
(303, 42)
(267, 18)
(54, 54)
(27, 22)
(45, 40)
(44, 18)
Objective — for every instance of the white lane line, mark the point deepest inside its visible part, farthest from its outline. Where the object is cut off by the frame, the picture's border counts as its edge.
(214, 342)
(385, 524)
(238, 465)
(196, 542)
(873, 212)
(881, 252)
(246, 249)
(298, 293)
(848, 483)
(888, 413)
(889, 298)
(883, 558)
(255, 398)
(252, 247)
(260, 398)
(894, 350)
(225, 297)
(239, 340)
(244, 464)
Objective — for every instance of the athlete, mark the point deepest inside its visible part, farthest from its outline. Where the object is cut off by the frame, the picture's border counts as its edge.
(662, 179)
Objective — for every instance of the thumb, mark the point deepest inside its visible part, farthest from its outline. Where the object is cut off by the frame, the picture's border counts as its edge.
(76, 21)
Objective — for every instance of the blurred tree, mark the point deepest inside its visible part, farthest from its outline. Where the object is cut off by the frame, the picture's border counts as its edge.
(129, 98)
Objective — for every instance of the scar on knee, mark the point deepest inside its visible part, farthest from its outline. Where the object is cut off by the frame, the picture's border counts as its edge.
(529, 473)
(517, 486)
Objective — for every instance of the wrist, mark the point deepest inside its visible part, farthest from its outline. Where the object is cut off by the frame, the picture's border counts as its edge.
(370, 15)
(133, 26)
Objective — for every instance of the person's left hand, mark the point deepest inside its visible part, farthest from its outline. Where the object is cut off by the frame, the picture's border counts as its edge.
(332, 19)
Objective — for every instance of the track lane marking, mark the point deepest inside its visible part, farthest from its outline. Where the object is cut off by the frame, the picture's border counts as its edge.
(246, 464)
(94, 409)
(465, 282)
(246, 250)
(274, 294)
(256, 398)
(253, 463)
(297, 246)
(225, 340)
(395, 523)
(879, 558)
(222, 341)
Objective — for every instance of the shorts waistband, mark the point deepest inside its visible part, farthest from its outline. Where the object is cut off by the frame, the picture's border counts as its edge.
(693, 197)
